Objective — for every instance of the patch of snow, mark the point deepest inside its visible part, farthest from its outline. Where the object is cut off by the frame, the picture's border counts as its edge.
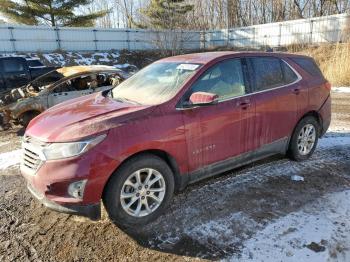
(341, 89)
(4, 143)
(115, 55)
(222, 233)
(325, 222)
(234, 230)
(297, 178)
(77, 58)
(333, 141)
(55, 58)
(10, 158)
(121, 66)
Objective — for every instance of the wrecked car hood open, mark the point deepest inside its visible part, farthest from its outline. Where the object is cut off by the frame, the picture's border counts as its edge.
(80, 118)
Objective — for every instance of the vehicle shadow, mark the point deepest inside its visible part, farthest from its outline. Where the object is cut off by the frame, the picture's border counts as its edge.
(213, 218)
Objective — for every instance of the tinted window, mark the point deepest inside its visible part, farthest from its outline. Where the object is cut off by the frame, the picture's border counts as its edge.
(289, 75)
(309, 65)
(32, 63)
(224, 79)
(13, 66)
(268, 72)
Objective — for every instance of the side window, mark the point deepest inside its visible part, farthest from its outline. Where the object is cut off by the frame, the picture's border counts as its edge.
(289, 75)
(79, 83)
(34, 62)
(268, 72)
(224, 79)
(13, 65)
(108, 79)
(309, 65)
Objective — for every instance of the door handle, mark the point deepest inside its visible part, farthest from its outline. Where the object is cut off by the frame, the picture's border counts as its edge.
(296, 91)
(22, 75)
(244, 105)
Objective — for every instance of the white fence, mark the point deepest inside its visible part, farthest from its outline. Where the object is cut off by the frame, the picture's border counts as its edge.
(15, 38)
(326, 29)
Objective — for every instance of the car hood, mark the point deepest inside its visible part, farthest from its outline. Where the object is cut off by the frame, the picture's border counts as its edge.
(83, 117)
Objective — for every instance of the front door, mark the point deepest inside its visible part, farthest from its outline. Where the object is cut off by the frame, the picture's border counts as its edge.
(223, 130)
(72, 88)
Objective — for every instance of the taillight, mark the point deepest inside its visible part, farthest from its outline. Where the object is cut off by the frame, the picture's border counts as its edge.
(328, 86)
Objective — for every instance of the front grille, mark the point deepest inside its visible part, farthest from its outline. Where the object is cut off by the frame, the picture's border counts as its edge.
(31, 154)
(31, 159)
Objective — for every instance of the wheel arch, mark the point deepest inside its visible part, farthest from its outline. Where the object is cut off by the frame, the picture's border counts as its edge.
(32, 110)
(180, 181)
(312, 113)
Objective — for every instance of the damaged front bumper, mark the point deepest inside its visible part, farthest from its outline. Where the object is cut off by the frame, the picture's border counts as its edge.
(92, 211)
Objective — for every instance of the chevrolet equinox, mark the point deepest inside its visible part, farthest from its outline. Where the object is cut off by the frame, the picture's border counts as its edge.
(179, 120)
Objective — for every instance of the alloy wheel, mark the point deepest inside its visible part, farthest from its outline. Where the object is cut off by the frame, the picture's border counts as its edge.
(143, 192)
(306, 139)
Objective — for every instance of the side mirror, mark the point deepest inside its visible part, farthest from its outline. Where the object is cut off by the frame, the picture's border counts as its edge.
(203, 98)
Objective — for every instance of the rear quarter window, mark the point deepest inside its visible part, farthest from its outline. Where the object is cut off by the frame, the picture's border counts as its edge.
(309, 65)
(289, 75)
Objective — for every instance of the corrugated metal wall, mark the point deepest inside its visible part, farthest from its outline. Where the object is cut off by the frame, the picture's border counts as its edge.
(15, 38)
(335, 28)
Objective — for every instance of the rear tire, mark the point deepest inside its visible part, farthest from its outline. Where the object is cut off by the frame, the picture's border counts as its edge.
(304, 139)
(131, 185)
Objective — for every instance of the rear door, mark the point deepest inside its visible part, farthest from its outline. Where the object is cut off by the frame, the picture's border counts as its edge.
(220, 131)
(15, 72)
(314, 84)
(276, 91)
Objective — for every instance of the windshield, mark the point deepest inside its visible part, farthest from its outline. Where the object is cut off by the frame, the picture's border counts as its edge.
(47, 79)
(155, 83)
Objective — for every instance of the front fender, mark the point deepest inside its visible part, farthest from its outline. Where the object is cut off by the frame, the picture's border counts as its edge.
(29, 104)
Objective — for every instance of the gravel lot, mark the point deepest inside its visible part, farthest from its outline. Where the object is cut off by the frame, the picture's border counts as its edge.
(255, 213)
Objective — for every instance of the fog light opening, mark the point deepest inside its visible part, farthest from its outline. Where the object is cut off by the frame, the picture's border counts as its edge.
(76, 189)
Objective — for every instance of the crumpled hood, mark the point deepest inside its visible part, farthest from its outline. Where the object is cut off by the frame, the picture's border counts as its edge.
(83, 117)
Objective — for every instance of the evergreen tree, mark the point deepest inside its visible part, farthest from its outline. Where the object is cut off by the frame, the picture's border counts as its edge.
(167, 14)
(51, 12)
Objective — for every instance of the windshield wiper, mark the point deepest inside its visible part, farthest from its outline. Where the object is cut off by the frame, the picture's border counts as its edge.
(123, 100)
(110, 93)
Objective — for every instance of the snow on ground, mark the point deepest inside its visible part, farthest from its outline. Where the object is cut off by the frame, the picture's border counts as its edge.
(341, 89)
(82, 59)
(9, 159)
(333, 139)
(317, 233)
(322, 225)
(77, 58)
(237, 233)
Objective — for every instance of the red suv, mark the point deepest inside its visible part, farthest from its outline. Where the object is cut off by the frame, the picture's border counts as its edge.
(179, 120)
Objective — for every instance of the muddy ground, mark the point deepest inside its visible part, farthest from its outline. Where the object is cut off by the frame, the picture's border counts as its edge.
(215, 219)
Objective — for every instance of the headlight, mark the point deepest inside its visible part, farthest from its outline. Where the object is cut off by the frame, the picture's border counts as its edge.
(64, 150)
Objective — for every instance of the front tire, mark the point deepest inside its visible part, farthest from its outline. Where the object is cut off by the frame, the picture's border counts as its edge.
(139, 191)
(304, 139)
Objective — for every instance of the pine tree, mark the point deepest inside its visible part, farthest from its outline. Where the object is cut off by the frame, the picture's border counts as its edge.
(51, 12)
(167, 14)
